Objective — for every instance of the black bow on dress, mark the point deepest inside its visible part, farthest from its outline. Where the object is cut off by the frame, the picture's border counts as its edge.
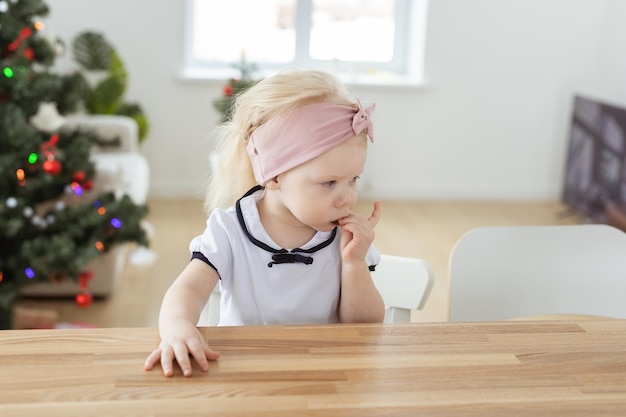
(290, 258)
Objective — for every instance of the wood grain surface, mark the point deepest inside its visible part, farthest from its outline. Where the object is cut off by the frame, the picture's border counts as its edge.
(565, 368)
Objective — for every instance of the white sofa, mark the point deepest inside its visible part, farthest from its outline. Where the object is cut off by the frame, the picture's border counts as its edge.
(122, 170)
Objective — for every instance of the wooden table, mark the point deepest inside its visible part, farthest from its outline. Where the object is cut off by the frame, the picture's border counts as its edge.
(444, 369)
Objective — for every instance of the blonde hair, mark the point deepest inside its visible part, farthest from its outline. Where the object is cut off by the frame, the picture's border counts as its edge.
(271, 97)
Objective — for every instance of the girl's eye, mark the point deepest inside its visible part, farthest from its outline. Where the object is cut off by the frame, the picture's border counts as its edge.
(329, 183)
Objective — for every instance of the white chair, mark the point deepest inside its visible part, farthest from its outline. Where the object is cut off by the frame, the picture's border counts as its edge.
(404, 284)
(538, 272)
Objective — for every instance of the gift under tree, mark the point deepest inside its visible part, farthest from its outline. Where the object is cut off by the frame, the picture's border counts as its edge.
(51, 223)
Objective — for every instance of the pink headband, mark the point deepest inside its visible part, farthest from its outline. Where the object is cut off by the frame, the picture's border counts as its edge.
(303, 134)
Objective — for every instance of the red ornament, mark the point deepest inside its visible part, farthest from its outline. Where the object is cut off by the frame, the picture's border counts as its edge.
(228, 90)
(24, 33)
(84, 278)
(79, 176)
(83, 299)
(87, 185)
(49, 148)
(52, 167)
(29, 54)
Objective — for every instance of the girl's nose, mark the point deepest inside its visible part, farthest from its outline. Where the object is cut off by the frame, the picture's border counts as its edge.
(347, 197)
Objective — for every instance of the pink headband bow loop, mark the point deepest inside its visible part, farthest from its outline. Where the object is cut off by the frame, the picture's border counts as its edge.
(362, 120)
(307, 132)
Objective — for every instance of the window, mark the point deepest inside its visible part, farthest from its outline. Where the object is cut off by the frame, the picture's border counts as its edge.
(356, 39)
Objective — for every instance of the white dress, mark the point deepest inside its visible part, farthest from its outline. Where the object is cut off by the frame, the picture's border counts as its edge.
(262, 283)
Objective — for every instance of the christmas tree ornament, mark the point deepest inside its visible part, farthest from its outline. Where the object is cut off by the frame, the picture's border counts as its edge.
(29, 53)
(24, 34)
(79, 176)
(80, 184)
(84, 278)
(84, 298)
(3, 6)
(47, 118)
(52, 167)
(38, 222)
(49, 147)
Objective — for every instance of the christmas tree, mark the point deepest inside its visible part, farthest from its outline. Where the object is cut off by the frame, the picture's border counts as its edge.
(51, 225)
(235, 86)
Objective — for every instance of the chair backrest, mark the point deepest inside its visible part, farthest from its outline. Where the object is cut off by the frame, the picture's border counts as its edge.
(501, 273)
(404, 283)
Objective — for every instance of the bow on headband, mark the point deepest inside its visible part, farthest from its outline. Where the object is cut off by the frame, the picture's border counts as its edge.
(303, 134)
(362, 120)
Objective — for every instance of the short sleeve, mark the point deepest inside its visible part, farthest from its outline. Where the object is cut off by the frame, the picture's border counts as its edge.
(214, 243)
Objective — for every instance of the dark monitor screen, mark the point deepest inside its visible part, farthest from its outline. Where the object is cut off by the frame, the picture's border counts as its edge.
(595, 175)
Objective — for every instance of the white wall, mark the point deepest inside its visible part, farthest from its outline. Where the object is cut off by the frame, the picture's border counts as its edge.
(491, 124)
(612, 85)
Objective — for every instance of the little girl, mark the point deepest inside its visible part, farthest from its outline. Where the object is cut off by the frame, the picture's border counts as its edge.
(290, 251)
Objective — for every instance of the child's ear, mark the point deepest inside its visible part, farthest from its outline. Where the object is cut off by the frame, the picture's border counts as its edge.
(272, 184)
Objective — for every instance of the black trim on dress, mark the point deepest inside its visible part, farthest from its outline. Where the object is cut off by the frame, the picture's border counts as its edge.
(280, 255)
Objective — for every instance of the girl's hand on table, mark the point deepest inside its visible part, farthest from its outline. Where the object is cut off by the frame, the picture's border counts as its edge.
(182, 343)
